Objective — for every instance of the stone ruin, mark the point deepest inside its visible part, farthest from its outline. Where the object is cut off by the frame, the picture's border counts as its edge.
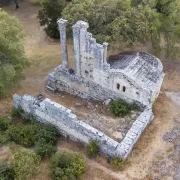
(135, 77)
(68, 125)
(131, 76)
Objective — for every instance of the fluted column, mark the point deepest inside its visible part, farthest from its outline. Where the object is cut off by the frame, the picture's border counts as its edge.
(62, 29)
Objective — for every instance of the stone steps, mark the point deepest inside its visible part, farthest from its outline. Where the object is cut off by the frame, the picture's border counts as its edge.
(51, 88)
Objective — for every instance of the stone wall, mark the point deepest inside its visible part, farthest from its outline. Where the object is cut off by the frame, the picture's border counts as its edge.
(68, 124)
(84, 88)
(88, 54)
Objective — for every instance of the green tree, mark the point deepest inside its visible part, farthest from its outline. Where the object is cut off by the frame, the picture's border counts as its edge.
(168, 12)
(130, 22)
(12, 55)
(113, 21)
(48, 16)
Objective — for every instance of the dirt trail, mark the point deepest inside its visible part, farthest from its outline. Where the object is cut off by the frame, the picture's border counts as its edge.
(44, 55)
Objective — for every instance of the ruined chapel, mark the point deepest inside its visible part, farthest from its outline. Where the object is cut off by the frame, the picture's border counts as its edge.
(131, 76)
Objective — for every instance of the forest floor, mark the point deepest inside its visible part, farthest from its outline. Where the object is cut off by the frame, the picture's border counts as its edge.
(157, 153)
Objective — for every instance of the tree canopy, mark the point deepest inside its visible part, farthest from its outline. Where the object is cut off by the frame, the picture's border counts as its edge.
(48, 16)
(12, 55)
(130, 22)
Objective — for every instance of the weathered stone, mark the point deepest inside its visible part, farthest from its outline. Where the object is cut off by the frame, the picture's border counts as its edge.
(67, 123)
(62, 28)
(77, 104)
(107, 102)
(117, 135)
(131, 76)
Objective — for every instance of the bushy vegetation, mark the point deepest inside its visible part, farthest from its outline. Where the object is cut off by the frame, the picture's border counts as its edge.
(47, 132)
(6, 171)
(21, 134)
(12, 55)
(3, 138)
(93, 148)
(130, 22)
(44, 136)
(117, 162)
(49, 15)
(67, 166)
(5, 122)
(16, 112)
(120, 108)
(25, 163)
(45, 149)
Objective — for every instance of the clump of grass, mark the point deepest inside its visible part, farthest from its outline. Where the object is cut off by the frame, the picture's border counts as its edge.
(93, 148)
(117, 162)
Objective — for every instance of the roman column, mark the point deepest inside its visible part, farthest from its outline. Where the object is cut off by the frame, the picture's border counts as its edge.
(76, 39)
(62, 29)
(105, 45)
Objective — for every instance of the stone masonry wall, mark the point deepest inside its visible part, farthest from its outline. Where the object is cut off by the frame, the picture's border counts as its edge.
(68, 124)
(88, 89)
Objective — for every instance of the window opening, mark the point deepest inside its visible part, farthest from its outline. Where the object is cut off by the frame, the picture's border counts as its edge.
(118, 86)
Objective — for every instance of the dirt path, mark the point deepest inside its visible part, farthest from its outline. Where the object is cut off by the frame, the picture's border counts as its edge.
(44, 55)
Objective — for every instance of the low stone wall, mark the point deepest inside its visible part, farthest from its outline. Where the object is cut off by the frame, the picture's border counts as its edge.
(68, 124)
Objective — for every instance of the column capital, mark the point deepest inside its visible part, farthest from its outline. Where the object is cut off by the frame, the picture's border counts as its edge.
(62, 23)
(82, 25)
(105, 44)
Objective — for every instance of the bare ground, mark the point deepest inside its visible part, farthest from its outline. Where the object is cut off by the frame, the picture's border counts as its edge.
(145, 162)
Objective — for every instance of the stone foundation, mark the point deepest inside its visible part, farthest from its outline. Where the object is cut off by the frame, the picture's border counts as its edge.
(47, 111)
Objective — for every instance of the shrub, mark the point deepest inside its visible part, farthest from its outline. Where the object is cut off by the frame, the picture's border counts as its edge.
(4, 123)
(3, 138)
(49, 15)
(43, 149)
(25, 164)
(16, 112)
(65, 165)
(117, 162)
(93, 148)
(23, 135)
(28, 135)
(47, 132)
(120, 108)
(6, 171)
